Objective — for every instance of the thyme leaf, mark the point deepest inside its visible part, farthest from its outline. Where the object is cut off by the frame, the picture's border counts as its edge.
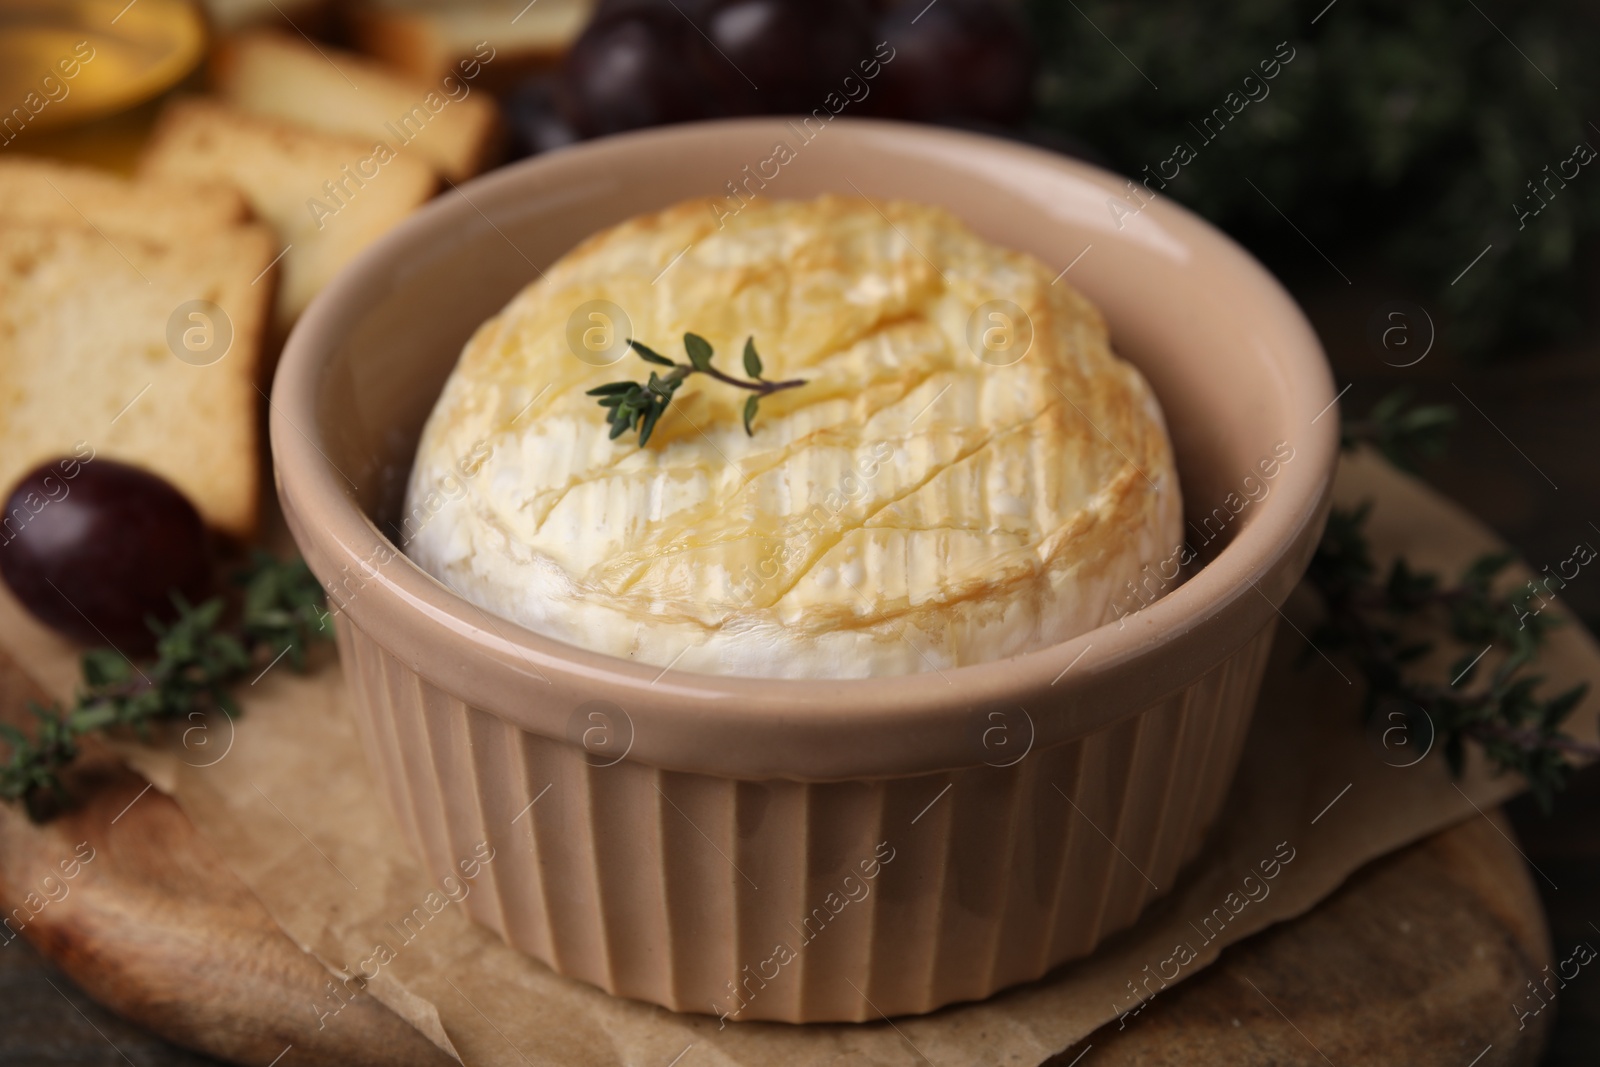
(1387, 620)
(633, 406)
(198, 658)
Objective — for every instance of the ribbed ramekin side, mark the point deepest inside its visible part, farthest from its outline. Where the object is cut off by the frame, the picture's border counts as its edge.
(510, 787)
(1243, 685)
(980, 860)
(800, 901)
(1180, 760)
(363, 661)
(832, 934)
(773, 820)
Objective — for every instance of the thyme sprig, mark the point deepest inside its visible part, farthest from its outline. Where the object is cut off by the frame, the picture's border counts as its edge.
(1403, 433)
(631, 405)
(1385, 622)
(197, 659)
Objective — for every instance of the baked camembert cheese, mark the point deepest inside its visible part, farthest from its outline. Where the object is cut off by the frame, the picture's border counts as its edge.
(969, 472)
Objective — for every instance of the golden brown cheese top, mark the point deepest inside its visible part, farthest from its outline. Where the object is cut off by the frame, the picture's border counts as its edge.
(968, 472)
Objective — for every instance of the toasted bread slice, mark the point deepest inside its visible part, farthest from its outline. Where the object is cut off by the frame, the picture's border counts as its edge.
(42, 191)
(88, 315)
(431, 39)
(448, 123)
(327, 196)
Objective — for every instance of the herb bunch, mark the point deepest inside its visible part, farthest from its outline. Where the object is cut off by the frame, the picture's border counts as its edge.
(1403, 433)
(1380, 618)
(631, 405)
(198, 657)
(1413, 135)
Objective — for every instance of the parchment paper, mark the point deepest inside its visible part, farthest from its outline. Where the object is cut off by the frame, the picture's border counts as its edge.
(287, 801)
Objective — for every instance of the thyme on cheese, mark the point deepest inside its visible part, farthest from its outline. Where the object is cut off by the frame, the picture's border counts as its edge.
(631, 405)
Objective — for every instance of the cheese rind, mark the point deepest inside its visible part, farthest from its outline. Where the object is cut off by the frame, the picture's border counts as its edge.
(930, 498)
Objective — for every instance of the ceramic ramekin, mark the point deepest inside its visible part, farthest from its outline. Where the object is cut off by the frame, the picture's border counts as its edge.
(810, 850)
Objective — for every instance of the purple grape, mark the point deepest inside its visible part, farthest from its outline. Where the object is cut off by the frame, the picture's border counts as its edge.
(955, 59)
(94, 548)
(534, 120)
(784, 56)
(642, 66)
(619, 10)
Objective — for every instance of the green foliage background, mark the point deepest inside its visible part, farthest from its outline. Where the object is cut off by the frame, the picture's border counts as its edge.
(1403, 130)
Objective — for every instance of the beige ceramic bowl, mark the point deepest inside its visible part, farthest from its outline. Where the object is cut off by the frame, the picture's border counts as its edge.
(809, 850)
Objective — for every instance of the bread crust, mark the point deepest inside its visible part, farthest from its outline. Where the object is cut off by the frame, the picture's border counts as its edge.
(276, 76)
(307, 185)
(96, 279)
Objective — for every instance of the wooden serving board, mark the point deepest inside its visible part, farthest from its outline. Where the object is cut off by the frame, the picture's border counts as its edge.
(1416, 960)
(148, 921)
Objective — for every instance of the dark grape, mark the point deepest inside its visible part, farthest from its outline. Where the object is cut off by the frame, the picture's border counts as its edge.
(783, 56)
(955, 59)
(643, 67)
(619, 10)
(534, 120)
(92, 548)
